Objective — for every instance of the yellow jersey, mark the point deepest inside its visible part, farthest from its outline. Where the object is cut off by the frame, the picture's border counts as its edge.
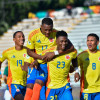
(58, 69)
(90, 71)
(39, 42)
(15, 61)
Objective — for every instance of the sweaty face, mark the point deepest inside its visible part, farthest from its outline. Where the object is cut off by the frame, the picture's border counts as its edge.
(62, 42)
(46, 29)
(19, 39)
(92, 43)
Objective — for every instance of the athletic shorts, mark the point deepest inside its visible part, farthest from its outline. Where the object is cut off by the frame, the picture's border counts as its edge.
(90, 96)
(40, 73)
(64, 93)
(16, 89)
(32, 75)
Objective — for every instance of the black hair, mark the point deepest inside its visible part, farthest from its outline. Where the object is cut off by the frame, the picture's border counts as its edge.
(16, 33)
(61, 33)
(47, 21)
(94, 35)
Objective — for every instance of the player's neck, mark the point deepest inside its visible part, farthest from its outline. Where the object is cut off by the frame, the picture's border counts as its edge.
(93, 51)
(18, 47)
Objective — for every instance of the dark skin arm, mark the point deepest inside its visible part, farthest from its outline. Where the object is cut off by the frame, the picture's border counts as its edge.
(76, 75)
(5, 78)
(25, 66)
(0, 69)
(32, 53)
(50, 55)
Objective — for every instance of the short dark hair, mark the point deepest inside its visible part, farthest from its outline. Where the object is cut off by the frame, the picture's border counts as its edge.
(47, 21)
(16, 33)
(61, 33)
(94, 35)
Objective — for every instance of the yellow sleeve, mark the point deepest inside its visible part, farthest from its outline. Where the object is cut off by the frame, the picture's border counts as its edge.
(3, 56)
(28, 59)
(74, 54)
(31, 41)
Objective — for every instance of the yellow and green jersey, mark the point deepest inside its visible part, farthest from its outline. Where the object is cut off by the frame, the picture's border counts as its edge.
(15, 61)
(90, 71)
(39, 42)
(58, 69)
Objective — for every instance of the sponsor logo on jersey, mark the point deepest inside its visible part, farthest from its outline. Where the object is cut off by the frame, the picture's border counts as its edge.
(27, 56)
(67, 57)
(29, 42)
(38, 41)
(87, 59)
(51, 39)
(13, 56)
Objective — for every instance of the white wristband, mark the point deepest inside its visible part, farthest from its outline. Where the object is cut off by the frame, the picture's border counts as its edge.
(76, 70)
(56, 52)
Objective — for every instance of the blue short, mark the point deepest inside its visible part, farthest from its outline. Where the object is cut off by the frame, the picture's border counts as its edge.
(90, 96)
(40, 73)
(16, 89)
(64, 93)
(32, 75)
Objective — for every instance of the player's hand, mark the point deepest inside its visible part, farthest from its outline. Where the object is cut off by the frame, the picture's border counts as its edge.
(24, 68)
(48, 56)
(76, 77)
(34, 64)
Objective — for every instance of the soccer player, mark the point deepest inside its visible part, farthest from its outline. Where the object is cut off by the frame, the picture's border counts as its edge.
(89, 62)
(58, 86)
(41, 39)
(16, 80)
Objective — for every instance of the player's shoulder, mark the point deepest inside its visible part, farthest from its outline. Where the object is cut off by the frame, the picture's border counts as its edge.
(34, 32)
(83, 52)
(54, 30)
(9, 49)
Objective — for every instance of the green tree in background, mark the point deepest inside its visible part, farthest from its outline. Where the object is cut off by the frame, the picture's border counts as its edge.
(12, 11)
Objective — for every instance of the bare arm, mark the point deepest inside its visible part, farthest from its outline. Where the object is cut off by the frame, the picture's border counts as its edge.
(31, 53)
(50, 55)
(25, 66)
(5, 78)
(75, 66)
(0, 70)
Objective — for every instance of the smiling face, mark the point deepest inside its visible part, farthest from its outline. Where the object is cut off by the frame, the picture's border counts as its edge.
(92, 43)
(19, 39)
(46, 29)
(62, 42)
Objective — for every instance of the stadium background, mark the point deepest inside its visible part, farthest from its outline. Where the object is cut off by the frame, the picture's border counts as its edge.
(26, 15)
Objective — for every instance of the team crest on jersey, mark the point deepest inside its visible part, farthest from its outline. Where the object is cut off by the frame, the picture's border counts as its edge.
(99, 58)
(24, 55)
(17, 90)
(29, 42)
(51, 39)
(67, 57)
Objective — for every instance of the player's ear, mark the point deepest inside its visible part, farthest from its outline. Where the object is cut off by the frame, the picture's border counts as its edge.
(14, 39)
(97, 42)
